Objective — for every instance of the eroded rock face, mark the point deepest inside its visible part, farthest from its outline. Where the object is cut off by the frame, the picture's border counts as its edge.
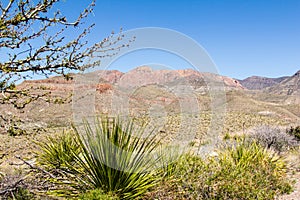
(111, 76)
(57, 83)
(287, 85)
(103, 87)
(141, 88)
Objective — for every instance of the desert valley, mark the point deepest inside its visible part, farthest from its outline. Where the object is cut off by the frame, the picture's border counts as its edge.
(186, 107)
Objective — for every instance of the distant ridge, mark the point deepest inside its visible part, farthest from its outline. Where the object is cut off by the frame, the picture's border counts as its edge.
(258, 82)
(289, 86)
(261, 83)
(146, 76)
(286, 85)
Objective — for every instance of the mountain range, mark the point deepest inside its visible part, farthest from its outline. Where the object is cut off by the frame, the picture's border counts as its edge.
(143, 90)
(141, 76)
(286, 85)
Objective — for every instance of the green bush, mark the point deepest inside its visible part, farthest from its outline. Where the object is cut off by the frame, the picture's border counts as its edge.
(14, 130)
(245, 171)
(294, 131)
(185, 181)
(59, 152)
(168, 162)
(116, 157)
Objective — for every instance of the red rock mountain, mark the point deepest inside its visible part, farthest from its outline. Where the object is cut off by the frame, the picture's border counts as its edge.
(141, 76)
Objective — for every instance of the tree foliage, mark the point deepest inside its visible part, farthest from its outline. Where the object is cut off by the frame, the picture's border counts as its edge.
(38, 40)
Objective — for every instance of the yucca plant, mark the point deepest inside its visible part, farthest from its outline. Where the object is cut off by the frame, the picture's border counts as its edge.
(117, 156)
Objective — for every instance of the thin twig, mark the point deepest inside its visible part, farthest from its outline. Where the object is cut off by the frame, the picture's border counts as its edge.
(35, 167)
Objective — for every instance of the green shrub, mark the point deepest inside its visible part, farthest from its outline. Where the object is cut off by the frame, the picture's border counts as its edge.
(168, 162)
(116, 157)
(59, 152)
(14, 130)
(294, 131)
(186, 180)
(244, 171)
(21, 194)
(227, 136)
(247, 171)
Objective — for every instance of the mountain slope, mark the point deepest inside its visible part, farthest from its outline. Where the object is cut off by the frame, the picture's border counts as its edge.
(289, 86)
(144, 90)
(144, 75)
(258, 82)
(141, 76)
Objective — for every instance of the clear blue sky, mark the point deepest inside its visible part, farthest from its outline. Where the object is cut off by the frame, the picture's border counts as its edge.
(243, 37)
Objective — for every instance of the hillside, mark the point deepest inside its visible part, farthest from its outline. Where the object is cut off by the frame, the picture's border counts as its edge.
(258, 82)
(288, 86)
(143, 91)
(138, 77)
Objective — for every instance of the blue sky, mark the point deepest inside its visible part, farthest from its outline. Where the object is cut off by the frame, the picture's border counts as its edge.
(243, 37)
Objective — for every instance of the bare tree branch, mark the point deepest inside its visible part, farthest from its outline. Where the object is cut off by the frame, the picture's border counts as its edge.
(30, 50)
(27, 48)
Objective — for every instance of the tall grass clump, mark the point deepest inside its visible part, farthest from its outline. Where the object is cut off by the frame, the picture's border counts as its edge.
(247, 171)
(242, 171)
(185, 179)
(116, 157)
(59, 152)
(168, 162)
